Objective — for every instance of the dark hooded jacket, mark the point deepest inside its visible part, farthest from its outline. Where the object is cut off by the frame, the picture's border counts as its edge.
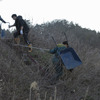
(20, 22)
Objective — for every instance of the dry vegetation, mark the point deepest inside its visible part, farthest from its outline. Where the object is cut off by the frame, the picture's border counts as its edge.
(20, 80)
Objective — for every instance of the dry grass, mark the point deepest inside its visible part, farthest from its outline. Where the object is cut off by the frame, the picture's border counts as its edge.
(17, 77)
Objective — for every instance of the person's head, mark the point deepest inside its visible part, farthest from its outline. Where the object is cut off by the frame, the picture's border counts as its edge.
(14, 16)
(66, 43)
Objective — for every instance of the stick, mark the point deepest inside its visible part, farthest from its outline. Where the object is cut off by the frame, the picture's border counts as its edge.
(55, 93)
(30, 94)
(45, 95)
(86, 93)
(50, 98)
(65, 36)
(28, 47)
(54, 40)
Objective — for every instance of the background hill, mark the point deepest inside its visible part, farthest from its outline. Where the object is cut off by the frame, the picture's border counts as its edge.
(16, 75)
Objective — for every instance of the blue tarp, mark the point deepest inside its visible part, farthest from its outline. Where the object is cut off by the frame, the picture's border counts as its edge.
(70, 58)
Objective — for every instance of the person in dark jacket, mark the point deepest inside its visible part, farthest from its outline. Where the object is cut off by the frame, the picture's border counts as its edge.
(22, 29)
(2, 20)
(57, 62)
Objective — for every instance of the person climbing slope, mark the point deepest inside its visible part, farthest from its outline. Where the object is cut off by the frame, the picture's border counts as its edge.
(22, 29)
(57, 62)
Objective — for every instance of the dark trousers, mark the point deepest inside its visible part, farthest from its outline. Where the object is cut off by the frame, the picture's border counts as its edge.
(25, 35)
(58, 68)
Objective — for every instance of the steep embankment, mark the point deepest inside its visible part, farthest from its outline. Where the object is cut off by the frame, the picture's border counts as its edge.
(84, 80)
(16, 77)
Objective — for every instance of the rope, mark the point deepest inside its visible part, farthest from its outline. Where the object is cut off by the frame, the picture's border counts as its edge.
(31, 47)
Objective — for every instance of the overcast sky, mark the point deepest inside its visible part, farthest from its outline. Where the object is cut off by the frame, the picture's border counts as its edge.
(84, 12)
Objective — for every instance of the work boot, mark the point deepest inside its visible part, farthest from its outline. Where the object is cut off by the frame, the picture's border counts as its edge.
(17, 40)
(30, 48)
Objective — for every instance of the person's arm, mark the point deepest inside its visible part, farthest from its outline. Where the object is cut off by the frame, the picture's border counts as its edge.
(53, 51)
(11, 25)
(21, 22)
(2, 20)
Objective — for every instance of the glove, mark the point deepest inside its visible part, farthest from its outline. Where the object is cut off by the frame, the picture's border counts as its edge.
(21, 32)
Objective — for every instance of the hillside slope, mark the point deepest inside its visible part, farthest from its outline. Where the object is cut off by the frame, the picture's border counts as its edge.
(16, 76)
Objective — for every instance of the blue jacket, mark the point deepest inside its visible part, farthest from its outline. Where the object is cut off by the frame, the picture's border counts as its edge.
(2, 20)
(56, 50)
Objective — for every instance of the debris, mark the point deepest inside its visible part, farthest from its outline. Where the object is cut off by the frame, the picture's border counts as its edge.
(34, 85)
(73, 91)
